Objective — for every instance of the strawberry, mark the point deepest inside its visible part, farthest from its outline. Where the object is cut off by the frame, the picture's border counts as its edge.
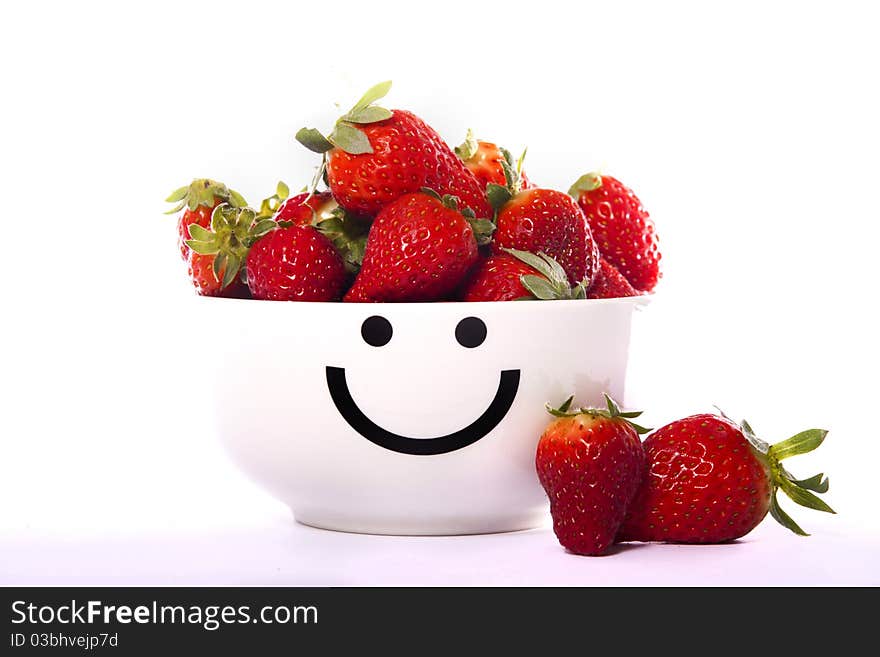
(484, 159)
(295, 262)
(218, 252)
(374, 156)
(420, 248)
(347, 232)
(198, 200)
(590, 462)
(710, 481)
(608, 283)
(542, 220)
(621, 227)
(305, 209)
(210, 282)
(518, 275)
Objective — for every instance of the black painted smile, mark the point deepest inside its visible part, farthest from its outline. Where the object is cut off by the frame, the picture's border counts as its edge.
(504, 396)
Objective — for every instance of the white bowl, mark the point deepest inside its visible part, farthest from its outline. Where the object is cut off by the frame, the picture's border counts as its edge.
(421, 435)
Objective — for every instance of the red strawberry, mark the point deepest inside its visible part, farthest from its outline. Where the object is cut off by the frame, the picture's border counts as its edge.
(590, 462)
(420, 248)
(198, 200)
(348, 233)
(209, 283)
(486, 161)
(295, 262)
(610, 283)
(374, 156)
(544, 220)
(217, 253)
(710, 481)
(621, 227)
(305, 209)
(518, 275)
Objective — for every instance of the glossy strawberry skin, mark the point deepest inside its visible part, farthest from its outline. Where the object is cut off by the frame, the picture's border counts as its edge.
(485, 164)
(610, 283)
(590, 466)
(704, 484)
(407, 155)
(624, 232)
(417, 250)
(296, 263)
(497, 278)
(201, 216)
(544, 220)
(302, 208)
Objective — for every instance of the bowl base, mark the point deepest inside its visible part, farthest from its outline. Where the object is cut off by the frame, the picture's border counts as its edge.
(454, 526)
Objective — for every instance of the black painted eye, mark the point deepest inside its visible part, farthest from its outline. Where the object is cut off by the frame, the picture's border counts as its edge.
(376, 331)
(470, 332)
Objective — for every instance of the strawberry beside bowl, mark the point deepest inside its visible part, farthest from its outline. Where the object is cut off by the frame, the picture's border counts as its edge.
(419, 418)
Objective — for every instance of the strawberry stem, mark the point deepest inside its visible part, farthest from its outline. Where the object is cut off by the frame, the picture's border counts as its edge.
(612, 412)
(799, 491)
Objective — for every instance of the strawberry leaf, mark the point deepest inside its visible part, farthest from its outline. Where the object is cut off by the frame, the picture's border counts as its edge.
(538, 286)
(562, 410)
(483, 228)
(372, 94)
(350, 139)
(218, 266)
(469, 147)
(805, 441)
(233, 263)
(783, 518)
(177, 209)
(203, 248)
(313, 140)
(803, 497)
(586, 183)
(798, 490)
(520, 161)
(178, 194)
(368, 115)
(818, 483)
(498, 195)
(199, 233)
(236, 200)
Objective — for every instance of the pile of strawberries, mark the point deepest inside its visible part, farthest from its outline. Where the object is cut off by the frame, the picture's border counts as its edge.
(701, 479)
(407, 218)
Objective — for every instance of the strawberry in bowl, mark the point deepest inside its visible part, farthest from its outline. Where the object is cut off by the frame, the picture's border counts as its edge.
(426, 302)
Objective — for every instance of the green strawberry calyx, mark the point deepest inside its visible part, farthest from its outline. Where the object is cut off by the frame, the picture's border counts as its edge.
(499, 195)
(345, 134)
(232, 232)
(611, 412)
(348, 234)
(586, 183)
(469, 147)
(270, 205)
(203, 192)
(552, 283)
(483, 228)
(800, 491)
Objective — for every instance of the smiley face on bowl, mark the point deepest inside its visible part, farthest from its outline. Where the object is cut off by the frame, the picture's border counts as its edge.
(407, 418)
(470, 333)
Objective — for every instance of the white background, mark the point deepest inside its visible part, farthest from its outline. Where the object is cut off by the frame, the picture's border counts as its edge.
(750, 132)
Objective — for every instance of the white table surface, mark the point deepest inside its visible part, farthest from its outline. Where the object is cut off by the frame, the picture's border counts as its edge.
(271, 549)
